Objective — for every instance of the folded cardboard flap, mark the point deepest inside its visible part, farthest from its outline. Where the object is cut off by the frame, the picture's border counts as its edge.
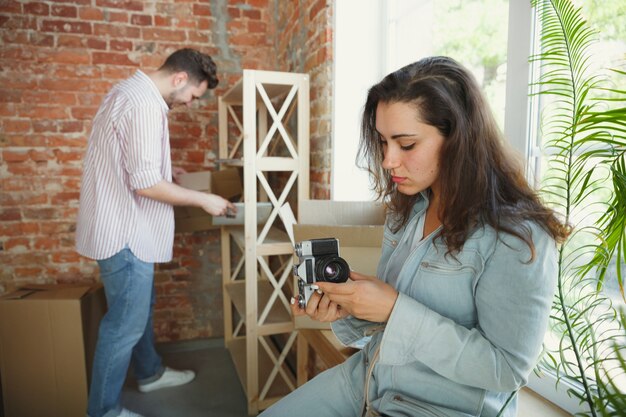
(341, 213)
(358, 226)
(47, 340)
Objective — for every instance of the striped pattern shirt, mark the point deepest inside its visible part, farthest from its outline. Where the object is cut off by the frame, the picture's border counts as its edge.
(128, 149)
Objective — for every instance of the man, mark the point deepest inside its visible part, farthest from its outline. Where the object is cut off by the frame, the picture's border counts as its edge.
(126, 219)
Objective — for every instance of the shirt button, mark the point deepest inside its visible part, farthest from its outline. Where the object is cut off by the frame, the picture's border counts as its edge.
(394, 243)
(425, 264)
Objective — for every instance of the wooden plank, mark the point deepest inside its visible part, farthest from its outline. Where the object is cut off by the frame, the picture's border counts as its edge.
(278, 314)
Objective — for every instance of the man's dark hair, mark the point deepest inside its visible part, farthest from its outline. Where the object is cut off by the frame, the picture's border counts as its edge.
(198, 66)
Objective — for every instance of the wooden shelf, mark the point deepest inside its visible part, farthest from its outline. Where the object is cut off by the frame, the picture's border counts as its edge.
(278, 315)
(276, 242)
(278, 389)
(280, 85)
(231, 162)
(263, 118)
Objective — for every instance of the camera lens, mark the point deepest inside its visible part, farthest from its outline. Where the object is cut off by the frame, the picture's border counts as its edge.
(332, 269)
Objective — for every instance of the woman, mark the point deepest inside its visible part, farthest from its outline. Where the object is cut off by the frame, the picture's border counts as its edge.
(460, 304)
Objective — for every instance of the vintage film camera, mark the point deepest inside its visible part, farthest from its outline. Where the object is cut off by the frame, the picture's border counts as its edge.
(319, 262)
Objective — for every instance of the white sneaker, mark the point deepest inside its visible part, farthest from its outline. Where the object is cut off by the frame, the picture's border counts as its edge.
(128, 413)
(170, 378)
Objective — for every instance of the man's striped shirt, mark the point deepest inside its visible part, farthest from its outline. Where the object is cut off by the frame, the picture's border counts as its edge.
(128, 149)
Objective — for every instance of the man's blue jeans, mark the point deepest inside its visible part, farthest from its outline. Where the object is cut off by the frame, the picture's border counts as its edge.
(125, 332)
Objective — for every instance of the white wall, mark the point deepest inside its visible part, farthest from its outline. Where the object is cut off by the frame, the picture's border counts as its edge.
(358, 64)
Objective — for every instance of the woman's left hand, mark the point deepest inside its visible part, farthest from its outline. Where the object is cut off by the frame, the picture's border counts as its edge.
(363, 296)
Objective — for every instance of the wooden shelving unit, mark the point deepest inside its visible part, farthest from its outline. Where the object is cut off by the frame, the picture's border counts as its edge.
(271, 145)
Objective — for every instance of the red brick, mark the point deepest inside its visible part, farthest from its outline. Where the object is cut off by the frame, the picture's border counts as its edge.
(10, 6)
(116, 31)
(40, 39)
(195, 157)
(262, 4)
(233, 12)
(17, 53)
(20, 22)
(7, 215)
(14, 244)
(28, 271)
(49, 228)
(39, 156)
(65, 85)
(162, 20)
(259, 27)
(63, 57)
(201, 10)
(66, 26)
(121, 4)
(13, 37)
(10, 96)
(96, 43)
(16, 126)
(63, 156)
(90, 13)
(116, 17)
(252, 14)
(13, 156)
(71, 126)
(71, 41)
(203, 24)
(37, 8)
(65, 140)
(141, 20)
(83, 112)
(117, 45)
(163, 35)
(65, 257)
(64, 11)
(42, 112)
(64, 198)
(45, 243)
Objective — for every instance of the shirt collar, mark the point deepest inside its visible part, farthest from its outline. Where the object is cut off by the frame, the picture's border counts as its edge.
(152, 86)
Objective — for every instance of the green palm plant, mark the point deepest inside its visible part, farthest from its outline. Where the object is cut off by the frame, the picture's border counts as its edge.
(585, 136)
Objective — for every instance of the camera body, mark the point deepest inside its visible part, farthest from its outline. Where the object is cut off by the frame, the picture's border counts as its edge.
(319, 262)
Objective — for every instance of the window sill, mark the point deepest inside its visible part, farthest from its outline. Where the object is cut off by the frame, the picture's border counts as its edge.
(531, 404)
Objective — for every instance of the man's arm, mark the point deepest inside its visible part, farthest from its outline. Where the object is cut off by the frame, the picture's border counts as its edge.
(167, 192)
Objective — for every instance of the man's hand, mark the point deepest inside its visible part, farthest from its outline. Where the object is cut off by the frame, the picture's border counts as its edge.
(176, 173)
(216, 205)
(365, 297)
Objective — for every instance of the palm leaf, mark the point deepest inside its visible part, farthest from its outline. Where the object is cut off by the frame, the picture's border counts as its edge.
(586, 143)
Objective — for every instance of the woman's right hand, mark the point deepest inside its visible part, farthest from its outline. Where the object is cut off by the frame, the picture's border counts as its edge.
(319, 308)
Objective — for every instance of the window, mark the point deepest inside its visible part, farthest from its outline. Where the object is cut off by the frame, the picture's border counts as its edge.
(394, 33)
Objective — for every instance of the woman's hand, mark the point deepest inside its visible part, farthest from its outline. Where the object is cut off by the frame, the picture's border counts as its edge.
(319, 308)
(363, 296)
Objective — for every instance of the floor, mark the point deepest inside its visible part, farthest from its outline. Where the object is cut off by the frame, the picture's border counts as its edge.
(216, 391)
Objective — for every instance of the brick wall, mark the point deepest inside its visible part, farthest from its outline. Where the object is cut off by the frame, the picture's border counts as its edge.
(59, 58)
(304, 45)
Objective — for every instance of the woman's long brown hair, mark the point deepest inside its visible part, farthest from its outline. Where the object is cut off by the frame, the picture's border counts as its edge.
(481, 181)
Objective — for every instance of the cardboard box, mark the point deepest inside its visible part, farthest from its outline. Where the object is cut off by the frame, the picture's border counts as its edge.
(48, 336)
(357, 225)
(263, 211)
(226, 183)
